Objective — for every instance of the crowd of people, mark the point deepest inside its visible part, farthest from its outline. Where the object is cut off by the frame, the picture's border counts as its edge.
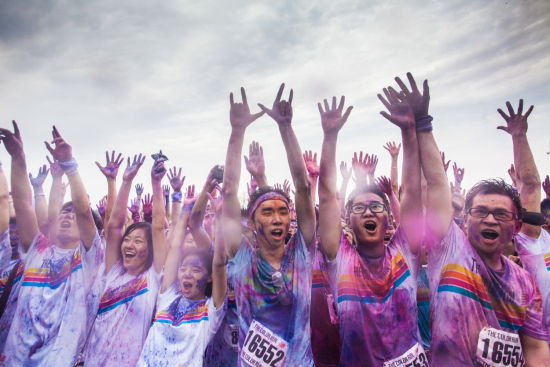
(409, 271)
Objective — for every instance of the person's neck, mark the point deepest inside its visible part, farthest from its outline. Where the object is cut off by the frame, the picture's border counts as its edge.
(66, 243)
(371, 249)
(273, 255)
(492, 260)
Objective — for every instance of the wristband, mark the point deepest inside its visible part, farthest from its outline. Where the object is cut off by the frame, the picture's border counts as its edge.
(424, 124)
(69, 167)
(177, 196)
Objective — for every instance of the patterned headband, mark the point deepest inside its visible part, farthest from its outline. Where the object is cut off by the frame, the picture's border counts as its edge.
(271, 195)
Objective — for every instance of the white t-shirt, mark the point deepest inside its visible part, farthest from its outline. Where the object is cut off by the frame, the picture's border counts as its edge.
(535, 257)
(123, 318)
(181, 331)
(52, 315)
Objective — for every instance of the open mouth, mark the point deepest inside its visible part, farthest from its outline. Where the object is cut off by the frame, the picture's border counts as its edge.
(370, 226)
(128, 254)
(489, 234)
(277, 232)
(65, 224)
(187, 286)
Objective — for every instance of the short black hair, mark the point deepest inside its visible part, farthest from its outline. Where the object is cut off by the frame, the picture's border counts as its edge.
(494, 186)
(373, 189)
(148, 236)
(263, 190)
(544, 205)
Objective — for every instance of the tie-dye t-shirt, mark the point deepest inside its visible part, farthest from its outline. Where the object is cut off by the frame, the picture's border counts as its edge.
(11, 304)
(124, 315)
(283, 310)
(181, 331)
(376, 302)
(467, 296)
(52, 316)
(223, 350)
(535, 257)
(325, 332)
(423, 303)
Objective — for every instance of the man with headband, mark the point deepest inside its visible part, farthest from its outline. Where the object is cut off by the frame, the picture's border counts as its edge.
(272, 279)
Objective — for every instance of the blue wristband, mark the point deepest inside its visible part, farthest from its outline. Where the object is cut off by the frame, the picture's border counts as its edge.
(424, 124)
(69, 167)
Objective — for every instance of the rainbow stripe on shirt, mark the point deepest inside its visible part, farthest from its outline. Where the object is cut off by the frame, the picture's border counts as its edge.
(547, 261)
(319, 279)
(196, 314)
(53, 273)
(353, 288)
(457, 279)
(112, 298)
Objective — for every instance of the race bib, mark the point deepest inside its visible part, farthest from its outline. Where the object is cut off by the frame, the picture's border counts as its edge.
(497, 348)
(231, 336)
(414, 357)
(262, 347)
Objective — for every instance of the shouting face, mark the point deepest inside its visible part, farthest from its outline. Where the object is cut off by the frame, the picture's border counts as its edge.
(368, 218)
(271, 222)
(135, 251)
(193, 277)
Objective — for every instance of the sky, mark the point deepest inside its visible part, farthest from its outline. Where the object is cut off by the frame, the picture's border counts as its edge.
(139, 76)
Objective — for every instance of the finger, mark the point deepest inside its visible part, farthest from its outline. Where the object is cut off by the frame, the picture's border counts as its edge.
(402, 85)
(49, 148)
(315, 158)
(16, 129)
(384, 102)
(290, 97)
(425, 90)
(119, 159)
(346, 114)
(326, 105)
(529, 111)
(333, 102)
(179, 172)
(231, 99)
(341, 104)
(388, 117)
(56, 132)
(414, 88)
(510, 109)
(265, 110)
(504, 128)
(245, 160)
(320, 109)
(243, 95)
(520, 107)
(257, 115)
(504, 116)
(280, 93)
(49, 161)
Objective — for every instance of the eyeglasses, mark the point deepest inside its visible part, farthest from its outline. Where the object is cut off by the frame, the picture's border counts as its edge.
(374, 207)
(499, 214)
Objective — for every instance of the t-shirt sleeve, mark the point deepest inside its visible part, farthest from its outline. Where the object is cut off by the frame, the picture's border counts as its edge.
(37, 250)
(342, 259)
(440, 253)
(531, 246)
(215, 317)
(165, 299)
(5, 249)
(241, 261)
(534, 325)
(400, 243)
(93, 258)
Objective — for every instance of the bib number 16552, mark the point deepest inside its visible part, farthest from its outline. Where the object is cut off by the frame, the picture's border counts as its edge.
(262, 347)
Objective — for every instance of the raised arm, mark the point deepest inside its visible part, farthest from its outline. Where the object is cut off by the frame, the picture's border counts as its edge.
(63, 152)
(202, 239)
(394, 149)
(219, 268)
(173, 258)
(115, 227)
(20, 187)
(410, 211)
(176, 181)
(312, 167)
(4, 201)
(439, 211)
(110, 171)
(57, 195)
(40, 205)
(528, 175)
(386, 186)
(240, 117)
(159, 218)
(255, 163)
(346, 175)
(281, 112)
(330, 229)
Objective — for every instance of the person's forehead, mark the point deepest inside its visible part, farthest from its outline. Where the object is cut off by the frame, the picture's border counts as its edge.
(192, 260)
(367, 197)
(138, 232)
(493, 201)
(272, 204)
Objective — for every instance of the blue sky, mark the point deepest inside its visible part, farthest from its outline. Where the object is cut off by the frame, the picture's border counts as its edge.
(147, 75)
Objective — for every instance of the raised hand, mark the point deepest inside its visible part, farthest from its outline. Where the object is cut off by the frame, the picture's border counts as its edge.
(12, 140)
(400, 111)
(40, 177)
(147, 207)
(312, 166)
(166, 190)
(55, 168)
(393, 148)
(139, 189)
(133, 167)
(332, 119)
(101, 207)
(419, 102)
(516, 123)
(445, 164)
(255, 163)
(158, 171)
(176, 181)
(189, 195)
(458, 173)
(458, 197)
(62, 151)
(359, 166)
(110, 170)
(344, 171)
(239, 113)
(372, 162)
(513, 175)
(281, 110)
(385, 185)
(252, 186)
(134, 207)
(546, 186)
(286, 187)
